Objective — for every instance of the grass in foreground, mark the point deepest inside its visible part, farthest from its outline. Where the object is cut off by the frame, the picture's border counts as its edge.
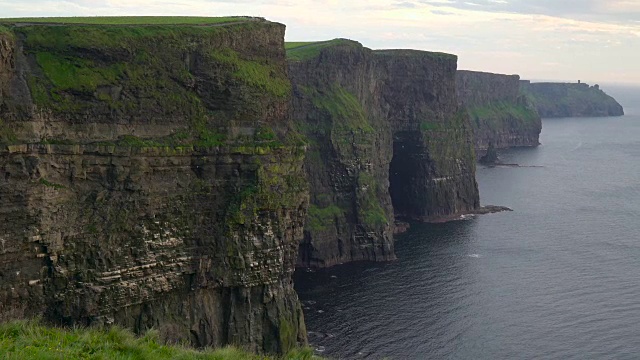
(32, 340)
(129, 20)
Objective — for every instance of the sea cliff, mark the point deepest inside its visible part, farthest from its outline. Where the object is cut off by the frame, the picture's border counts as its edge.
(387, 139)
(500, 114)
(553, 100)
(151, 178)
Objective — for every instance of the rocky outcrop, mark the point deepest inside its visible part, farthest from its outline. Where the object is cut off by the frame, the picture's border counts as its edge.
(500, 114)
(150, 178)
(554, 100)
(386, 139)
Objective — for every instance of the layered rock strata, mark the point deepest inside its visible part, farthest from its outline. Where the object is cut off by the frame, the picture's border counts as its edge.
(500, 115)
(553, 100)
(386, 139)
(150, 178)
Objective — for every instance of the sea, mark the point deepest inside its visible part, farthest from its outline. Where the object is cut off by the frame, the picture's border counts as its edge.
(557, 278)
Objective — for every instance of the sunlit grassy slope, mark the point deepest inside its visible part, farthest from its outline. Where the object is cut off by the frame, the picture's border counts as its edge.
(31, 340)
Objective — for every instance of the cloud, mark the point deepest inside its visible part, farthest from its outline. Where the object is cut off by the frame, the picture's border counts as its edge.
(406, 5)
(534, 38)
(603, 10)
(441, 12)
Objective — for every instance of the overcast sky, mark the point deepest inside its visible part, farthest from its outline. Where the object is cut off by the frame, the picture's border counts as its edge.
(590, 40)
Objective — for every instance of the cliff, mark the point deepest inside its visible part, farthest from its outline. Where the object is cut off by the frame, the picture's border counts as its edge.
(500, 114)
(386, 139)
(571, 100)
(150, 178)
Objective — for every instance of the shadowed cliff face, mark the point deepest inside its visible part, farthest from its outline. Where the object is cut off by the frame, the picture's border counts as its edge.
(571, 100)
(433, 170)
(347, 162)
(149, 177)
(386, 139)
(500, 114)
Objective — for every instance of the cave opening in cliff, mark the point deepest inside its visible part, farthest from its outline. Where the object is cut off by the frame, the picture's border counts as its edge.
(405, 171)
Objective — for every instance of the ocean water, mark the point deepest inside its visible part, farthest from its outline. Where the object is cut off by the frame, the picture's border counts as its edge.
(557, 278)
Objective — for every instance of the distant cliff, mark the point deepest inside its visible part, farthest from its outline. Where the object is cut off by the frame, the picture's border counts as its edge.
(500, 114)
(386, 138)
(151, 179)
(571, 100)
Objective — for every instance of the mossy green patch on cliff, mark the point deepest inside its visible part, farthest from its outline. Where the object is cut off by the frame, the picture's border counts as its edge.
(123, 61)
(254, 72)
(449, 141)
(345, 109)
(76, 74)
(370, 210)
(493, 114)
(301, 51)
(321, 218)
(141, 70)
(428, 125)
(242, 201)
(7, 135)
(48, 183)
(130, 20)
(272, 187)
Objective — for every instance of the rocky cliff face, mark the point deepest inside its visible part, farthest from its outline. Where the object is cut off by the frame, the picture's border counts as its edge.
(571, 100)
(150, 178)
(386, 139)
(350, 215)
(500, 114)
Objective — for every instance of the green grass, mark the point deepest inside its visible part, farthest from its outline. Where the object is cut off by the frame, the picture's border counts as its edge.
(31, 340)
(495, 113)
(294, 45)
(320, 218)
(129, 20)
(429, 126)
(71, 73)
(5, 30)
(344, 107)
(7, 135)
(417, 53)
(260, 75)
(141, 70)
(300, 51)
(47, 183)
(370, 210)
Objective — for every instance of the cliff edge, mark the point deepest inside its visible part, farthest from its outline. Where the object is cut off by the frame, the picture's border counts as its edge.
(151, 179)
(553, 100)
(500, 115)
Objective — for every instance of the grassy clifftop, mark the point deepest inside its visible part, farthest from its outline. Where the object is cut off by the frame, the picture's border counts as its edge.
(131, 20)
(199, 74)
(301, 51)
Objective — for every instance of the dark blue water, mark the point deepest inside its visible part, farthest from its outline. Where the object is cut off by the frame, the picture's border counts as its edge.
(558, 278)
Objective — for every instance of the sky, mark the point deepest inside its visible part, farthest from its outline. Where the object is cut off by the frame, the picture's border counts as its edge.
(595, 41)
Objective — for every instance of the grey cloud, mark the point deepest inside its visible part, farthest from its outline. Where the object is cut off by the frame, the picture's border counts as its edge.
(441, 12)
(576, 9)
(405, 5)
